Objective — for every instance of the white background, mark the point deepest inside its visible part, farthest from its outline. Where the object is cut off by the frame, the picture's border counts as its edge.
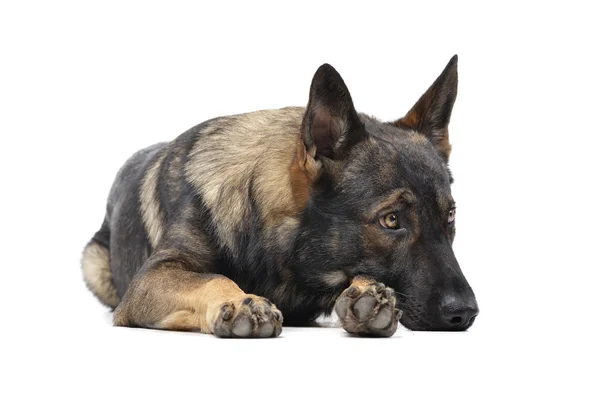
(83, 86)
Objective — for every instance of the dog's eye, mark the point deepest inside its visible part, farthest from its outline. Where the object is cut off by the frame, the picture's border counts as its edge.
(451, 215)
(389, 221)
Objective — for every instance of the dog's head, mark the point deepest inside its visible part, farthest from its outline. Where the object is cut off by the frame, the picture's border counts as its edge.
(381, 204)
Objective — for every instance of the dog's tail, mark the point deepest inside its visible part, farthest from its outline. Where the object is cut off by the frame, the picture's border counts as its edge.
(95, 265)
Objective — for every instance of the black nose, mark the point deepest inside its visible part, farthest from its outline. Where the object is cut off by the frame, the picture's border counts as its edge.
(458, 314)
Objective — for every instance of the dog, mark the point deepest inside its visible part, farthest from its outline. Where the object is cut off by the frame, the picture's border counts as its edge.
(248, 220)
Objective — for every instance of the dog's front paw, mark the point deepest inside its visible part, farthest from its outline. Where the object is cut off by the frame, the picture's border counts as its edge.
(368, 310)
(248, 317)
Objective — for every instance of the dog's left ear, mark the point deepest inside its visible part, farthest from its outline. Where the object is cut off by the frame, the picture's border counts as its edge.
(430, 115)
(331, 125)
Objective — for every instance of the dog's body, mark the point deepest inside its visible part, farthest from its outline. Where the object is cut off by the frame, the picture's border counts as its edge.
(294, 206)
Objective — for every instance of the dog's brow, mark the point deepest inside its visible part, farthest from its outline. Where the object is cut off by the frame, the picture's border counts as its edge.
(393, 198)
(446, 203)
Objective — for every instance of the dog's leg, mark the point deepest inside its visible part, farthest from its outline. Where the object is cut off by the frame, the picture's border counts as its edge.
(367, 308)
(167, 296)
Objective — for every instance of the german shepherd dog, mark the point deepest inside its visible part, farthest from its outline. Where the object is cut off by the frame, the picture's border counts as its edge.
(248, 219)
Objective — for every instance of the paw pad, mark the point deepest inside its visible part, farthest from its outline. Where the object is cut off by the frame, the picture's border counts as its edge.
(250, 317)
(368, 310)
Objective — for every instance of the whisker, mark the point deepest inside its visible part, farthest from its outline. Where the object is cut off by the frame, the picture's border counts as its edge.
(414, 311)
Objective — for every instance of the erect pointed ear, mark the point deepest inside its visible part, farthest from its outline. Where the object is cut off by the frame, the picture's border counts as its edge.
(331, 124)
(430, 116)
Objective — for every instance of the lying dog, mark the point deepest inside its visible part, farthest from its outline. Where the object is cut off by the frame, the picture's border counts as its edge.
(247, 219)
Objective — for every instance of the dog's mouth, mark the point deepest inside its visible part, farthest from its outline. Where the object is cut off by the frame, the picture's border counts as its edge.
(417, 317)
(424, 324)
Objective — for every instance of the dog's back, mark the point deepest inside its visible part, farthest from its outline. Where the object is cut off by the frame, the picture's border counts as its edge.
(240, 167)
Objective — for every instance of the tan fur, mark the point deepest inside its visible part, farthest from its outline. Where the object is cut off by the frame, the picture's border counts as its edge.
(224, 172)
(174, 159)
(335, 278)
(171, 298)
(303, 171)
(150, 205)
(95, 265)
(335, 240)
(283, 233)
(201, 306)
(362, 281)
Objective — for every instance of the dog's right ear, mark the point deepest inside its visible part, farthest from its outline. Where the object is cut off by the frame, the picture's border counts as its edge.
(430, 115)
(331, 125)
